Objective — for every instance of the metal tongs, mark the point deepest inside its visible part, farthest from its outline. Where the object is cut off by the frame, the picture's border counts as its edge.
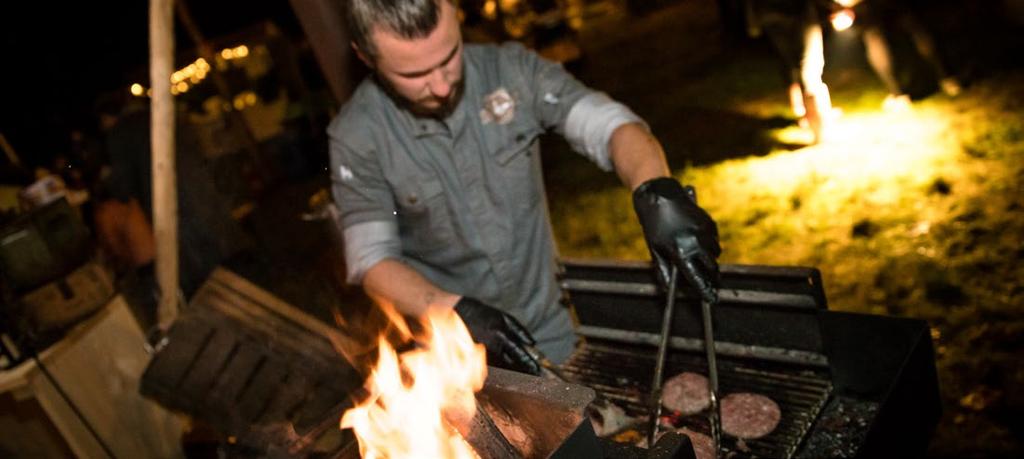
(715, 416)
(659, 368)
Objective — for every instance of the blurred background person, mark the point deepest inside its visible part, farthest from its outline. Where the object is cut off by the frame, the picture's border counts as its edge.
(793, 28)
(879, 21)
(207, 234)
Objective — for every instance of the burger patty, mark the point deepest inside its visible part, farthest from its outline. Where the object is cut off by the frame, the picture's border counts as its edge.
(686, 393)
(746, 415)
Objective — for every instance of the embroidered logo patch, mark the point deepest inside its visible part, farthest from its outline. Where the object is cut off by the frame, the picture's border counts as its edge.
(499, 107)
(345, 173)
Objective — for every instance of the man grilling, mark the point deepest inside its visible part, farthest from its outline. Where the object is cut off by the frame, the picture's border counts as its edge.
(435, 168)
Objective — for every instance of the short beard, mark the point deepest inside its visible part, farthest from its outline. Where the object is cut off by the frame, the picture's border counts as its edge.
(442, 111)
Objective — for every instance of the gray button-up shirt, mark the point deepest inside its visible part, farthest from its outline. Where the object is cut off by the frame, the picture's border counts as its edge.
(461, 199)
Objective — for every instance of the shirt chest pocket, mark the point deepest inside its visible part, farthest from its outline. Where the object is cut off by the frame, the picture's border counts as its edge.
(425, 221)
(519, 169)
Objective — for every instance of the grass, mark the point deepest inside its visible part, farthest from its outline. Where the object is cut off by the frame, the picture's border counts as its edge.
(918, 214)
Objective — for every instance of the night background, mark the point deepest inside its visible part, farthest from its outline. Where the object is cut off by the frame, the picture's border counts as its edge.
(60, 60)
(916, 214)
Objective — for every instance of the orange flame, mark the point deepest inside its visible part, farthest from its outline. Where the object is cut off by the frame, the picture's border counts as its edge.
(412, 393)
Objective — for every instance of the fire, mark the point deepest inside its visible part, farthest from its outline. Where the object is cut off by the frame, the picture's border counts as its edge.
(413, 393)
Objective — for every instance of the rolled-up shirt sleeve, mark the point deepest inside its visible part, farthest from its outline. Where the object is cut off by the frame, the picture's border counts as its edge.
(365, 203)
(367, 244)
(590, 125)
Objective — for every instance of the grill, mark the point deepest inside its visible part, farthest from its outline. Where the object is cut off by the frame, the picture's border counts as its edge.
(848, 385)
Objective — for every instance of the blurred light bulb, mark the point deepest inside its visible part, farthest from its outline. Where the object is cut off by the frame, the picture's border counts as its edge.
(842, 20)
(490, 10)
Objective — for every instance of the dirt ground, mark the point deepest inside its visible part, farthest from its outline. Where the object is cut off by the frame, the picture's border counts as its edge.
(917, 214)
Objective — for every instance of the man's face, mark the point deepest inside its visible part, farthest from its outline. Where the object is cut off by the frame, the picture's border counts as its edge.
(425, 72)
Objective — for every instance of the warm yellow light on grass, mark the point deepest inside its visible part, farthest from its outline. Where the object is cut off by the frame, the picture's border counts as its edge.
(861, 149)
(802, 204)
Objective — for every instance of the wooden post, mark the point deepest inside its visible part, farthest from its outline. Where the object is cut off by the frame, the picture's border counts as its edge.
(165, 197)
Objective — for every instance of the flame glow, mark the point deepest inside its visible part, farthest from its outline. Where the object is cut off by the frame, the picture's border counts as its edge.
(413, 393)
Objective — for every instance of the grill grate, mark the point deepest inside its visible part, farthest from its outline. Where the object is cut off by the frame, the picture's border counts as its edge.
(623, 373)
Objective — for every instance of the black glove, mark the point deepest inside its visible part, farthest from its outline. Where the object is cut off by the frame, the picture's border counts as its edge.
(502, 335)
(679, 233)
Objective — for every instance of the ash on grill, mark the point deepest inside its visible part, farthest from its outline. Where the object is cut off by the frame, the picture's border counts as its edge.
(842, 425)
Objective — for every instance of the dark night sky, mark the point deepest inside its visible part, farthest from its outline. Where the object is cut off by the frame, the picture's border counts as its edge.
(57, 56)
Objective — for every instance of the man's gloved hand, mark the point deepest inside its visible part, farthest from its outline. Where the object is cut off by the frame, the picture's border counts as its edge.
(502, 335)
(679, 233)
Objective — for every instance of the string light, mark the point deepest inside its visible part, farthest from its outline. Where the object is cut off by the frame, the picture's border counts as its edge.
(194, 73)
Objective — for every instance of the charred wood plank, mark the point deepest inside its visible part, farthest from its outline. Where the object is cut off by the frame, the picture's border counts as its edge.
(265, 309)
(289, 396)
(327, 422)
(209, 364)
(171, 365)
(321, 405)
(265, 383)
(237, 375)
(253, 367)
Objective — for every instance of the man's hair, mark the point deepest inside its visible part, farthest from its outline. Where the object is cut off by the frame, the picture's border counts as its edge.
(407, 19)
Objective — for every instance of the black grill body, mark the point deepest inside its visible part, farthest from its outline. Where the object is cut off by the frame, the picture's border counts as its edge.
(849, 385)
